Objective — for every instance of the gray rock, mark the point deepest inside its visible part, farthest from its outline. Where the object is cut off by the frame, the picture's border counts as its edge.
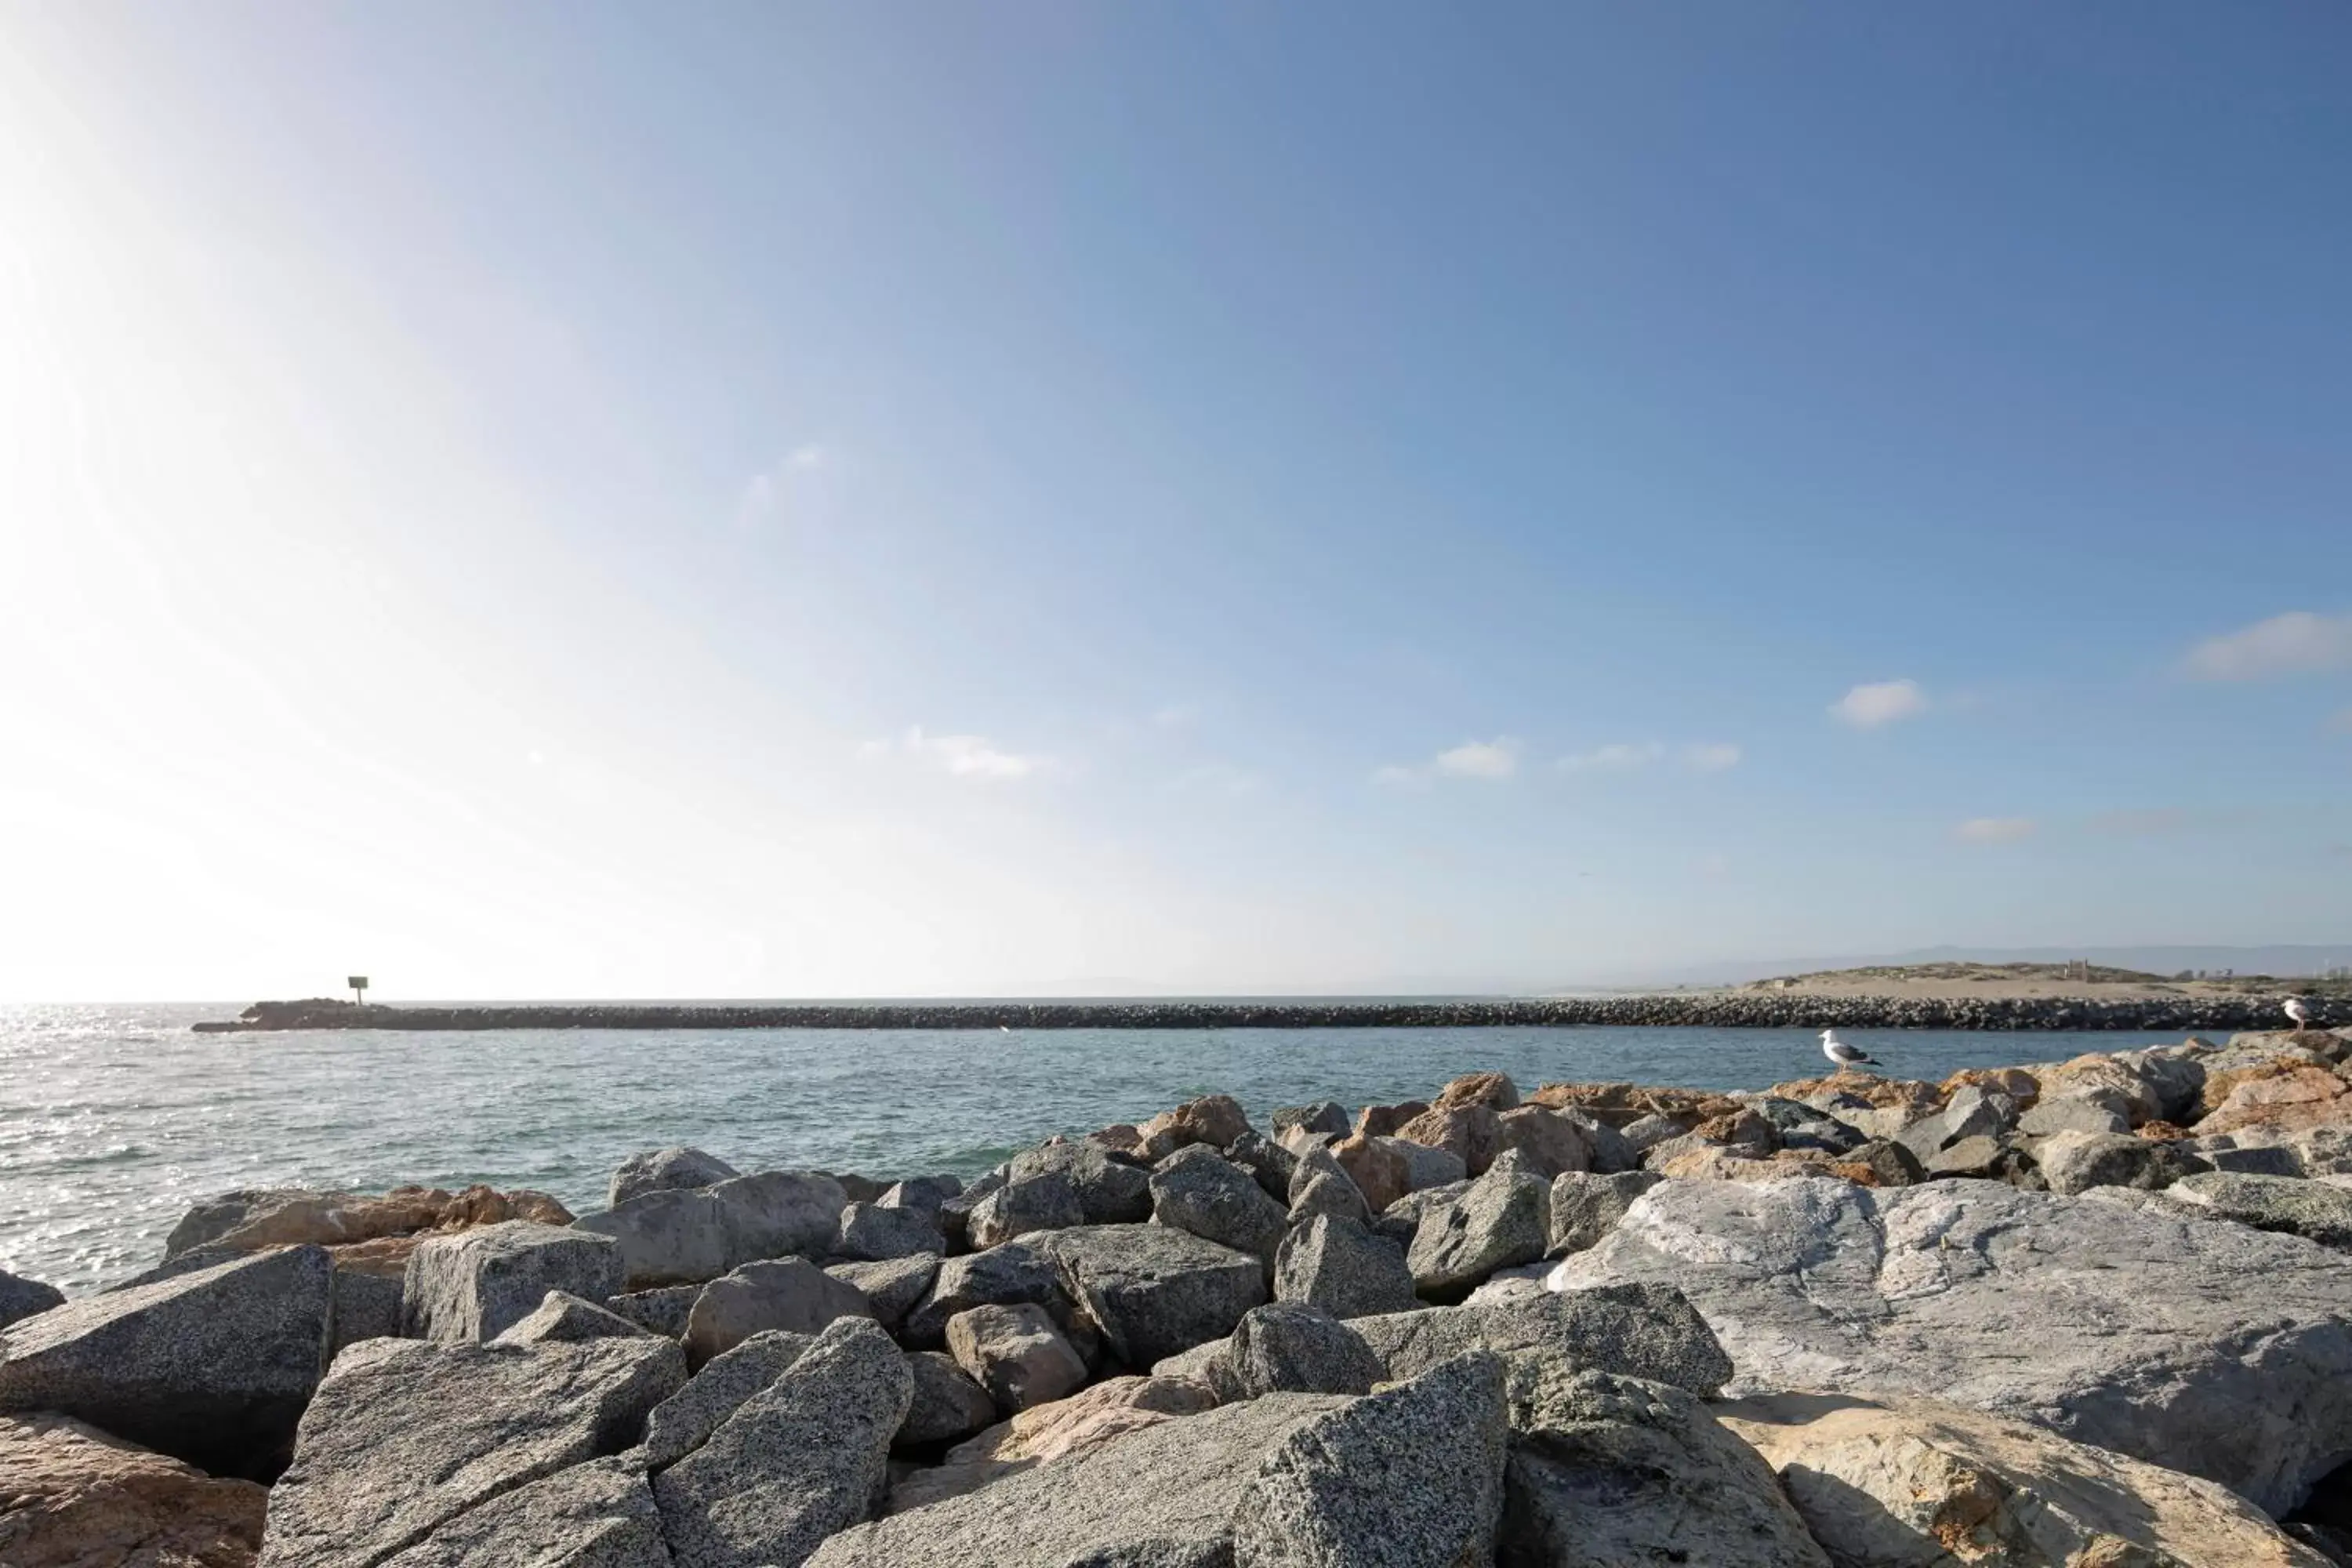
(1891, 1162)
(685, 1421)
(948, 1405)
(1319, 1186)
(1016, 1354)
(955, 1213)
(872, 1232)
(1340, 1266)
(367, 1307)
(1608, 1472)
(788, 1293)
(2261, 1160)
(213, 1367)
(1424, 1167)
(1586, 1208)
(21, 1298)
(1110, 1191)
(665, 1170)
(1610, 1151)
(563, 1319)
(1971, 1112)
(1049, 1201)
(891, 1287)
(214, 1217)
(404, 1435)
(1000, 1275)
(2003, 1158)
(474, 1284)
(2092, 1110)
(1271, 1163)
(1505, 1218)
(798, 1461)
(2127, 1330)
(1412, 1478)
(1323, 1116)
(2318, 1210)
(596, 1515)
(685, 1236)
(2077, 1161)
(1647, 1132)
(1195, 1190)
(1298, 1350)
(922, 1194)
(1798, 1126)
(1209, 1365)
(1161, 1498)
(1152, 1291)
(1637, 1331)
(1410, 1210)
(663, 1310)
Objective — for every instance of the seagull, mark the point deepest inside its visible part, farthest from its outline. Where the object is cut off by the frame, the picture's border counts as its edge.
(2298, 1012)
(1838, 1051)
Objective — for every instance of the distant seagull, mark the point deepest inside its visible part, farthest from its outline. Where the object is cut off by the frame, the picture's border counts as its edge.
(2298, 1012)
(1838, 1051)
(1002, 1029)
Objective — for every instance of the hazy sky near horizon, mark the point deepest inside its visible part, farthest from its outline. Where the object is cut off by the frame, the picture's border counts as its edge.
(824, 500)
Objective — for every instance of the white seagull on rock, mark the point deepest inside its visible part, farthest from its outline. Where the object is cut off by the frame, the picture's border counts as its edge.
(1838, 1051)
(2296, 1010)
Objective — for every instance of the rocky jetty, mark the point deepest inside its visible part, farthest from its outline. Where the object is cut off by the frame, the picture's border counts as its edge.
(1717, 1010)
(2096, 1311)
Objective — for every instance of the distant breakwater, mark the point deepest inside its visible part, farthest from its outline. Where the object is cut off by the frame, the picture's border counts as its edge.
(1756, 1010)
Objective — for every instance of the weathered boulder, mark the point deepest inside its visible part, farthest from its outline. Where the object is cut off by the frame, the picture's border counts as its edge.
(1161, 1498)
(798, 1461)
(665, 1170)
(74, 1496)
(1985, 1157)
(475, 1283)
(1410, 1477)
(1270, 1163)
(1002, 1276)
(1340, 1266)
(1049, 1201)
(1637, 1331)
(1382, 1120)
(955, 1213)
(404, 1435)
(1318, 1186)
(1016, 1354)
(1194, 1189)
(1971, 1112)
(598, 1514)
(1796, 1125)
(1920, 1483)
(213, 1366)
(874, 1232)
(1889, 1163)
(2127, 1329)
(1110, 1191)
(922, 1194)
(1049, 1433)
(689, 1236)
(2278, 1100)
(948, 1405)
(788, 1293)
(663, 1310)
(892, 1285)
(1471, 1134)
(1504, 1218)
(1494, 1090)
(1298, 1350)
(366, 1307)
(1323, 1116)
(1152, 1291)
(1607, 1471)
(2077, 1161)
(2082, 1110)
(562, 1318)
(21, 1298)
(1374, 1166)
(2321, 1211)
(685, 1421)
(1549, 1140)
(1586, 1208)
(1608, 1151)
(1213, 1119)
(360, 1230)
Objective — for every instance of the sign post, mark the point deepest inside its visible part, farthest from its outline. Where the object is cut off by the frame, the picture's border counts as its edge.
(358, 983)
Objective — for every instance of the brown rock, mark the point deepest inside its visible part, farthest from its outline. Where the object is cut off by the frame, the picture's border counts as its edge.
(1214, 1119)
(1494, 1090)
(74, 1496)
(1741, 1130)
(375, 1234)
(1382, 1120)
(1882, 1093)
(1553, 1144)
(2015, 1082)
(1621, 1104)
(1046, 1433)
(1119, 1137)
(1378, 1172)
(2286, 1098)
(1468, 1133)
(1718, 1164)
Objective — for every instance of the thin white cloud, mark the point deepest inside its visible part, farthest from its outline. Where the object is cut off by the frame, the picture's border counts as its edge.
(2296, 643)
(1622, 757)
(1994, 830)
(972, 757)
(1711, 756)
(1877, 702)
(1494, 759)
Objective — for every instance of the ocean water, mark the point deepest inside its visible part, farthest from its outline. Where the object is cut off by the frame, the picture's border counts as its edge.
(114, 1120)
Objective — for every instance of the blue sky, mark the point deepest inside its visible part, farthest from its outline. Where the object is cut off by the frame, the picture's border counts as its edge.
(826, 500)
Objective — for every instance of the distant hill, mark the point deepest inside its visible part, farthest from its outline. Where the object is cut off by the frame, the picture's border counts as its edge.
(2285, 960)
